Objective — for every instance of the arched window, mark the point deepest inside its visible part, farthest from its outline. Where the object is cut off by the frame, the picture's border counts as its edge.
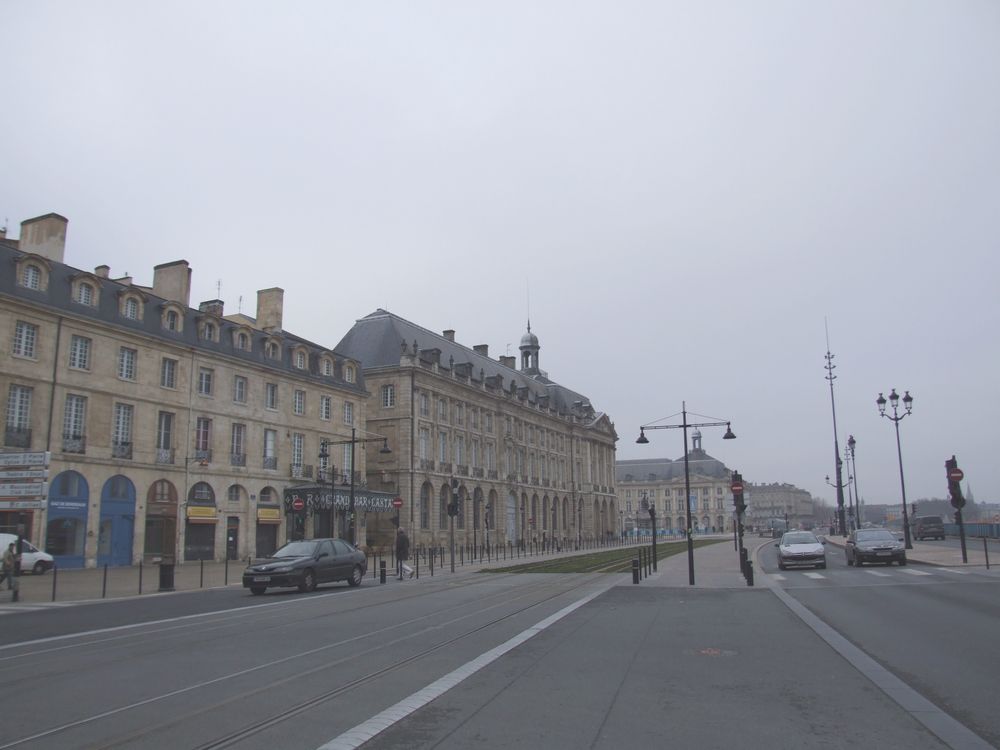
(202, 493)
(349, 374)
(327, 366)
(170, 320)
(235, 494)
(268, 496)
(242, 342)
(300, 360)
(85, 294)
(271, 350)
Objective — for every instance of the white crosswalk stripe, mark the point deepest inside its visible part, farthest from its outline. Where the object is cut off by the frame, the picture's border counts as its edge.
(956, 572)
(912, 572)
(13, 609)
(779, 577)
(814, 575)
(878, 573)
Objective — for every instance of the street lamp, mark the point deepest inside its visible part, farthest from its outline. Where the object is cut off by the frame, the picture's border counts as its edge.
(830, 367)
(353, 441)
(642, 440)
(896, 419)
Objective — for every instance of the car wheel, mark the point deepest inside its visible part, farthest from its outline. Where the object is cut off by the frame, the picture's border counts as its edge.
(39, 568)
(356, 576)
(258, 590)
(850, 562)
(308, 581)
(903, 561)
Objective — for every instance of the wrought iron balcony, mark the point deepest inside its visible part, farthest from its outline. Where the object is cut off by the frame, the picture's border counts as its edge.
(120, 449)
(17, 437)
(269, 462)
(203, 456)
(237, 459)
(164, 455)
(74, 444)
(426, 464)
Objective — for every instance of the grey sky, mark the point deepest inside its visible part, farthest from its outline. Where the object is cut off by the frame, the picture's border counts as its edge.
(688, 190)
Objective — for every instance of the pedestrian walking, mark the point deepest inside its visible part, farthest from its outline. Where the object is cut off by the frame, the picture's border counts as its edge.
(402, 554)
(7, 574)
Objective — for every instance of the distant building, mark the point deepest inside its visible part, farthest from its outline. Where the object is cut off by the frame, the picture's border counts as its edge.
(530, 459)
(660, 483)
(784, 501)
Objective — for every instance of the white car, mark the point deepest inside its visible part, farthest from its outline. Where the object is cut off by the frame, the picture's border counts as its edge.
(800, 548)
(32, 558)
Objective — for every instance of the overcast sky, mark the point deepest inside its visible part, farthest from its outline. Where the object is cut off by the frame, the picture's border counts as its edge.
(685, 193)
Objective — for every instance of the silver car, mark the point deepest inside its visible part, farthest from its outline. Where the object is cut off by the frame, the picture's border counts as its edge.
(800, 548)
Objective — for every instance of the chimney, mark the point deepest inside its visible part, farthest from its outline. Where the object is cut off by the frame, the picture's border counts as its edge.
(45, 236)
(212, 307)
(483, 349)
(269, 307)
(510, 361)
(172, 281)
(449, 334)
(102, 272)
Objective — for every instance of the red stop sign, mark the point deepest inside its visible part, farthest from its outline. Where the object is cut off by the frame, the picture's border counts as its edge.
(737, 487)
(397, 502)
(298, 503)
(956, 474)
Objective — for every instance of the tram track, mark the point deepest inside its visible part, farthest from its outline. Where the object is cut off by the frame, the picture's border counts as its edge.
(412, 628)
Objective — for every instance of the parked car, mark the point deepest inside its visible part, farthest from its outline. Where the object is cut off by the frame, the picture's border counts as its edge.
(874, 545)
(306, 564)
(32, 559)
(800, 548)
(928, 527)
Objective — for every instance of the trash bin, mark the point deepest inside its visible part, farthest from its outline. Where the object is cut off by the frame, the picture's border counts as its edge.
(166, 573)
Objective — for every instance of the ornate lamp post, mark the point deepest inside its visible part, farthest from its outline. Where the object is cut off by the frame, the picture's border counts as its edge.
(896, 419)
(642, 440)
(853, 468)
(841, 521)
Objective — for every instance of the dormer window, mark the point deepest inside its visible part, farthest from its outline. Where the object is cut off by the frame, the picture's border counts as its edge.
(170, 320)
(131, 308)
(271, 350)
(208, 331)
(327, 366)
(85, 294)
(300, 360)
(31, 277)
(242, 342)
(349, 374)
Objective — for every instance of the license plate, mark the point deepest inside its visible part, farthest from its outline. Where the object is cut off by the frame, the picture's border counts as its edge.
(883, 554)
(261, 579)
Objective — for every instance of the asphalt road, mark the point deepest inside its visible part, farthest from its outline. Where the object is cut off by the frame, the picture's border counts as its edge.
(479, 660)
(935, 627)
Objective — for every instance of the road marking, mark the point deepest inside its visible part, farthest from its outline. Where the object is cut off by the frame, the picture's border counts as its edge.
(814, 575)
(778, 577)
(363, 732)
(956, 572)
(912, 572)
(878, 573)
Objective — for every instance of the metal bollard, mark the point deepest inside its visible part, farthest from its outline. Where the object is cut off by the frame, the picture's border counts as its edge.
(986, 551)
(749, 573)
(55, 572)
(381, 571)
(201, 579)
(104, 583)
(140, 576)
(225, 578)
(635, 570)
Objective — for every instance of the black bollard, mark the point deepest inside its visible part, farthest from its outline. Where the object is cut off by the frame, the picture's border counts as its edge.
(381, 571)
(55, 572)
(986, 551)
(749, 573)
(635, 570)
(104, 582)
(140, 576)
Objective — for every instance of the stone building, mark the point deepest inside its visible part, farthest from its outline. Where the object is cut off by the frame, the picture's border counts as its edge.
(530, 460)
(782, 501)
(171, 430)
(660, 483)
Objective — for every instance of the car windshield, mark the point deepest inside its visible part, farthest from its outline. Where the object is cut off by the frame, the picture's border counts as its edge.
(800, 537)
(297, 549)
(876, 535)
(929, 519)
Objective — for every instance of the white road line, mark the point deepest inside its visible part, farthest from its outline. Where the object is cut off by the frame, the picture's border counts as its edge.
(878, 573)
(779, 577)
(814, 575)
(956, 572)
(913, 572)
(363, 732)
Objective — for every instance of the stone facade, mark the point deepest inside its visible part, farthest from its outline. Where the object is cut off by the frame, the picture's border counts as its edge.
(173, 431)
(530, 460)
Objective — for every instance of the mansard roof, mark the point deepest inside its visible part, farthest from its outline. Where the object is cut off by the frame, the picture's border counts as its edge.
(700, 464)
(379, 340)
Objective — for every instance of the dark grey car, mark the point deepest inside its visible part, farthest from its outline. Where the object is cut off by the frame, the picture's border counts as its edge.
(928, 527)
(306, 564)
(874, 545)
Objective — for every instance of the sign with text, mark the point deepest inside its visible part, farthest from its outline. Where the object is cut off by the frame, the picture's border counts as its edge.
(40, 458)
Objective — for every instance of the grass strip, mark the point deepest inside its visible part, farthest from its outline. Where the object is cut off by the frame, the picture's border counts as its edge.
(617, 560)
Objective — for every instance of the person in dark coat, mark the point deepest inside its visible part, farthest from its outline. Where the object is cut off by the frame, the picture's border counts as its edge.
(402, 551)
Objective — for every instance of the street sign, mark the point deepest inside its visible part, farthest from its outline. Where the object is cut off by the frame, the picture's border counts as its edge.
(397, 502)
(956, 474)
(22, 504)
(298, 504)
(23, 489)
(24, 474)
(40, 458)
(737, 487)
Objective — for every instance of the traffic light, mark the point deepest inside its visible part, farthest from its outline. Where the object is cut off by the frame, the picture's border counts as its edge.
(737, 488)
(954, 475)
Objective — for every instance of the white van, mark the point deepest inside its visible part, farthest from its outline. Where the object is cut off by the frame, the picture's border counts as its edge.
(33, 560)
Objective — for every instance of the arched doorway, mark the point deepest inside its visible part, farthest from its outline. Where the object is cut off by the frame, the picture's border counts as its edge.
(66, 531)
(199, 529)
(161, 520)
(117, 529)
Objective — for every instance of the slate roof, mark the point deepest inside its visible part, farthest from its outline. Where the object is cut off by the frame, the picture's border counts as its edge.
(378, 341)
(664, 469)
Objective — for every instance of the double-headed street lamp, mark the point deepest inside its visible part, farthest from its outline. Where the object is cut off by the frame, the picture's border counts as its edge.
(896, 419)
(642, 440)
(353, 441)
(853, 470)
